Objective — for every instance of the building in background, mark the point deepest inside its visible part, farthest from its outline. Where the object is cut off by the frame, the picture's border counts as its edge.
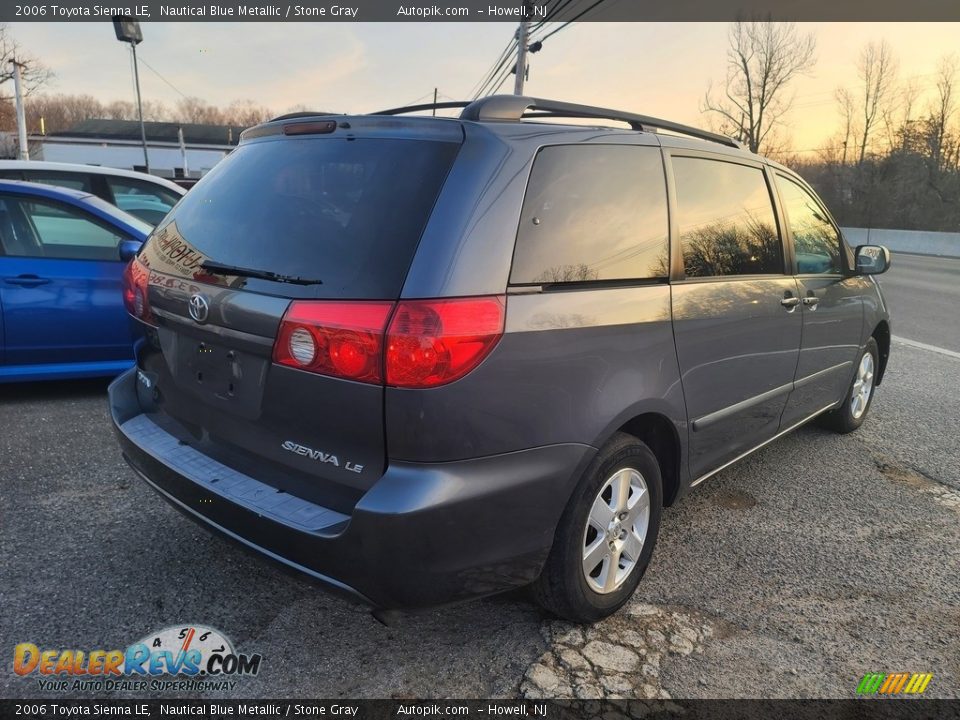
(117, 144)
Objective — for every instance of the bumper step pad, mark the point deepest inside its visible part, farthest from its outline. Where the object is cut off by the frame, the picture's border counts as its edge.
(227, 482)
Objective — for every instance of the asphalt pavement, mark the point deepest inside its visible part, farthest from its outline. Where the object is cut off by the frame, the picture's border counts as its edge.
(924, 292)
(791, 574)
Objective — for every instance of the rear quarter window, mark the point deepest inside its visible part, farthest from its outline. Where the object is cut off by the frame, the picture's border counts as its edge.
(593, 213)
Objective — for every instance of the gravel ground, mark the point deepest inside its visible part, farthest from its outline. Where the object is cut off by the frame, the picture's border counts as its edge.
(791, 574)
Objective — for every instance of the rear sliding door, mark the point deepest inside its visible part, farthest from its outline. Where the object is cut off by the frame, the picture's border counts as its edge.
(736, 310)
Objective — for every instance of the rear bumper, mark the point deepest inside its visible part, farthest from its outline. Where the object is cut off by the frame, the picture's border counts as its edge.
(423, 535)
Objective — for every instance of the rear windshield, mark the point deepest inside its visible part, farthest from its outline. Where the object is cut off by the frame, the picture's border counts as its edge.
(346, 212)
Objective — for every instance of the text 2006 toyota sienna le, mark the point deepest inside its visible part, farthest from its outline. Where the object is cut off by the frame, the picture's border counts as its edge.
(422, 359)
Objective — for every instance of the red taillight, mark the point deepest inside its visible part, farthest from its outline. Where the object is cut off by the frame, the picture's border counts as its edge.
(434, 342)
(428, 342)
(343, 339)
(135, 277)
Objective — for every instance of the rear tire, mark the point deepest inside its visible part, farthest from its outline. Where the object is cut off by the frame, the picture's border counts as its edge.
(859, 396)
(621, 491)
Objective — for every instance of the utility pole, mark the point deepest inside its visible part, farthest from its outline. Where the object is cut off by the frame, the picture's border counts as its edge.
(435, 102)
(128, 30)
(23, 152)
(523, 33)
(143, 129)
(183, 152)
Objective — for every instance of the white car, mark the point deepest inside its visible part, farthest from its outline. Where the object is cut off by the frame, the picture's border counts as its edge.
(144, 196)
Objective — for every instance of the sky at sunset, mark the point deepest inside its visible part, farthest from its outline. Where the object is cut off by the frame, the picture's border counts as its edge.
(655, 69)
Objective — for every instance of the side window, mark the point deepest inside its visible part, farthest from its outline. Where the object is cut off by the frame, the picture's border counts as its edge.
(31, 227)
(815, 239)
(593, 212)
(74, 181)
(726, 219)
(142, 199)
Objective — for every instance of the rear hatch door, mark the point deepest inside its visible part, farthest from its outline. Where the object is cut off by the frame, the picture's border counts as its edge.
(328, 218)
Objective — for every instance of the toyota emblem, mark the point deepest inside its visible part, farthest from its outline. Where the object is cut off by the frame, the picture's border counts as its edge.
(199, 308)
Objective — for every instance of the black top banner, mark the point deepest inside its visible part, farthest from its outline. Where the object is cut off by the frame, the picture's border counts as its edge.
(480, 10)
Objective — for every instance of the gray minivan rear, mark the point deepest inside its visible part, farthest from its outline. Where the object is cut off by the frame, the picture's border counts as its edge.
(426, 359)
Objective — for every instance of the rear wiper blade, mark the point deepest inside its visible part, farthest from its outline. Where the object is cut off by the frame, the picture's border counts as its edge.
(224, 269)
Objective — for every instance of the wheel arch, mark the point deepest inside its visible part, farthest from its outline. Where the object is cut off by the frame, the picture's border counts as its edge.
(660, 434)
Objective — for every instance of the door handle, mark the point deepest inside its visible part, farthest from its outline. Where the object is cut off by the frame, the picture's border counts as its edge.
(811, 300)
(27, 280)
(789, 302)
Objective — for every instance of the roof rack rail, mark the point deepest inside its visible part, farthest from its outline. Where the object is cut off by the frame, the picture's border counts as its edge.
(421, 108)
(518, 107)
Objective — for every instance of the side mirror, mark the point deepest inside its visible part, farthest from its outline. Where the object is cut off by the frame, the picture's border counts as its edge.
(871, 259)
(127, 249)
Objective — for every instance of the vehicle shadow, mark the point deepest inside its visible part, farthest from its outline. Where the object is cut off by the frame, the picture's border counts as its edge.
(54, 390)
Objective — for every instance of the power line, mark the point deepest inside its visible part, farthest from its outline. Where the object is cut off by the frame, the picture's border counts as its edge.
(551, 14)
(571, 21)
(497, 82)
(415, 101)
(499, 73)
(564, 7)
(502, 68)
(477, 89)
(833, 101)
(157, 73)
(503, 79)
(496, 79)
(485, 83)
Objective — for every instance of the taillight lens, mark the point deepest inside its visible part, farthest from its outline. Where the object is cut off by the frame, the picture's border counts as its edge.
(135, 277)
(434, 342)
(342, 339)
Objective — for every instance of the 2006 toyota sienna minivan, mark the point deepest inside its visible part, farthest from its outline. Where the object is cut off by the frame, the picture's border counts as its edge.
(422, 359)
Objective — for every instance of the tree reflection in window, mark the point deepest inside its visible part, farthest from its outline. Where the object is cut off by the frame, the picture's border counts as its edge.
(815, 239)
(592, 213)
(726, 220)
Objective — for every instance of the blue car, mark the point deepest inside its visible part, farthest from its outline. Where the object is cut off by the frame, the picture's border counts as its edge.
(62, 256)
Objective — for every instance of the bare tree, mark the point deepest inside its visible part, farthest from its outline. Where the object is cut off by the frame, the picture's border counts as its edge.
(196, 110)
(762, 60)
(239, 112)
(943, 105)
(877, 69)
(246, 113)
(900, 115)
(61, 112)
(153, 111)
(909, 94)
(847, 111)
(32, 71)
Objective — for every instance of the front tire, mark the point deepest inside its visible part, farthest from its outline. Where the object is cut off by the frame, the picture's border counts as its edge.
(607, 534)
(856, 403)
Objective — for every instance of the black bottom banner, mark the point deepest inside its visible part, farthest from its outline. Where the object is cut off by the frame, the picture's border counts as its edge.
(866, 709)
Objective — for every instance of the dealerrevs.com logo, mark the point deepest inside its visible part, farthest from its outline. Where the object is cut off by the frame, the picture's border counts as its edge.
(177, 658)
